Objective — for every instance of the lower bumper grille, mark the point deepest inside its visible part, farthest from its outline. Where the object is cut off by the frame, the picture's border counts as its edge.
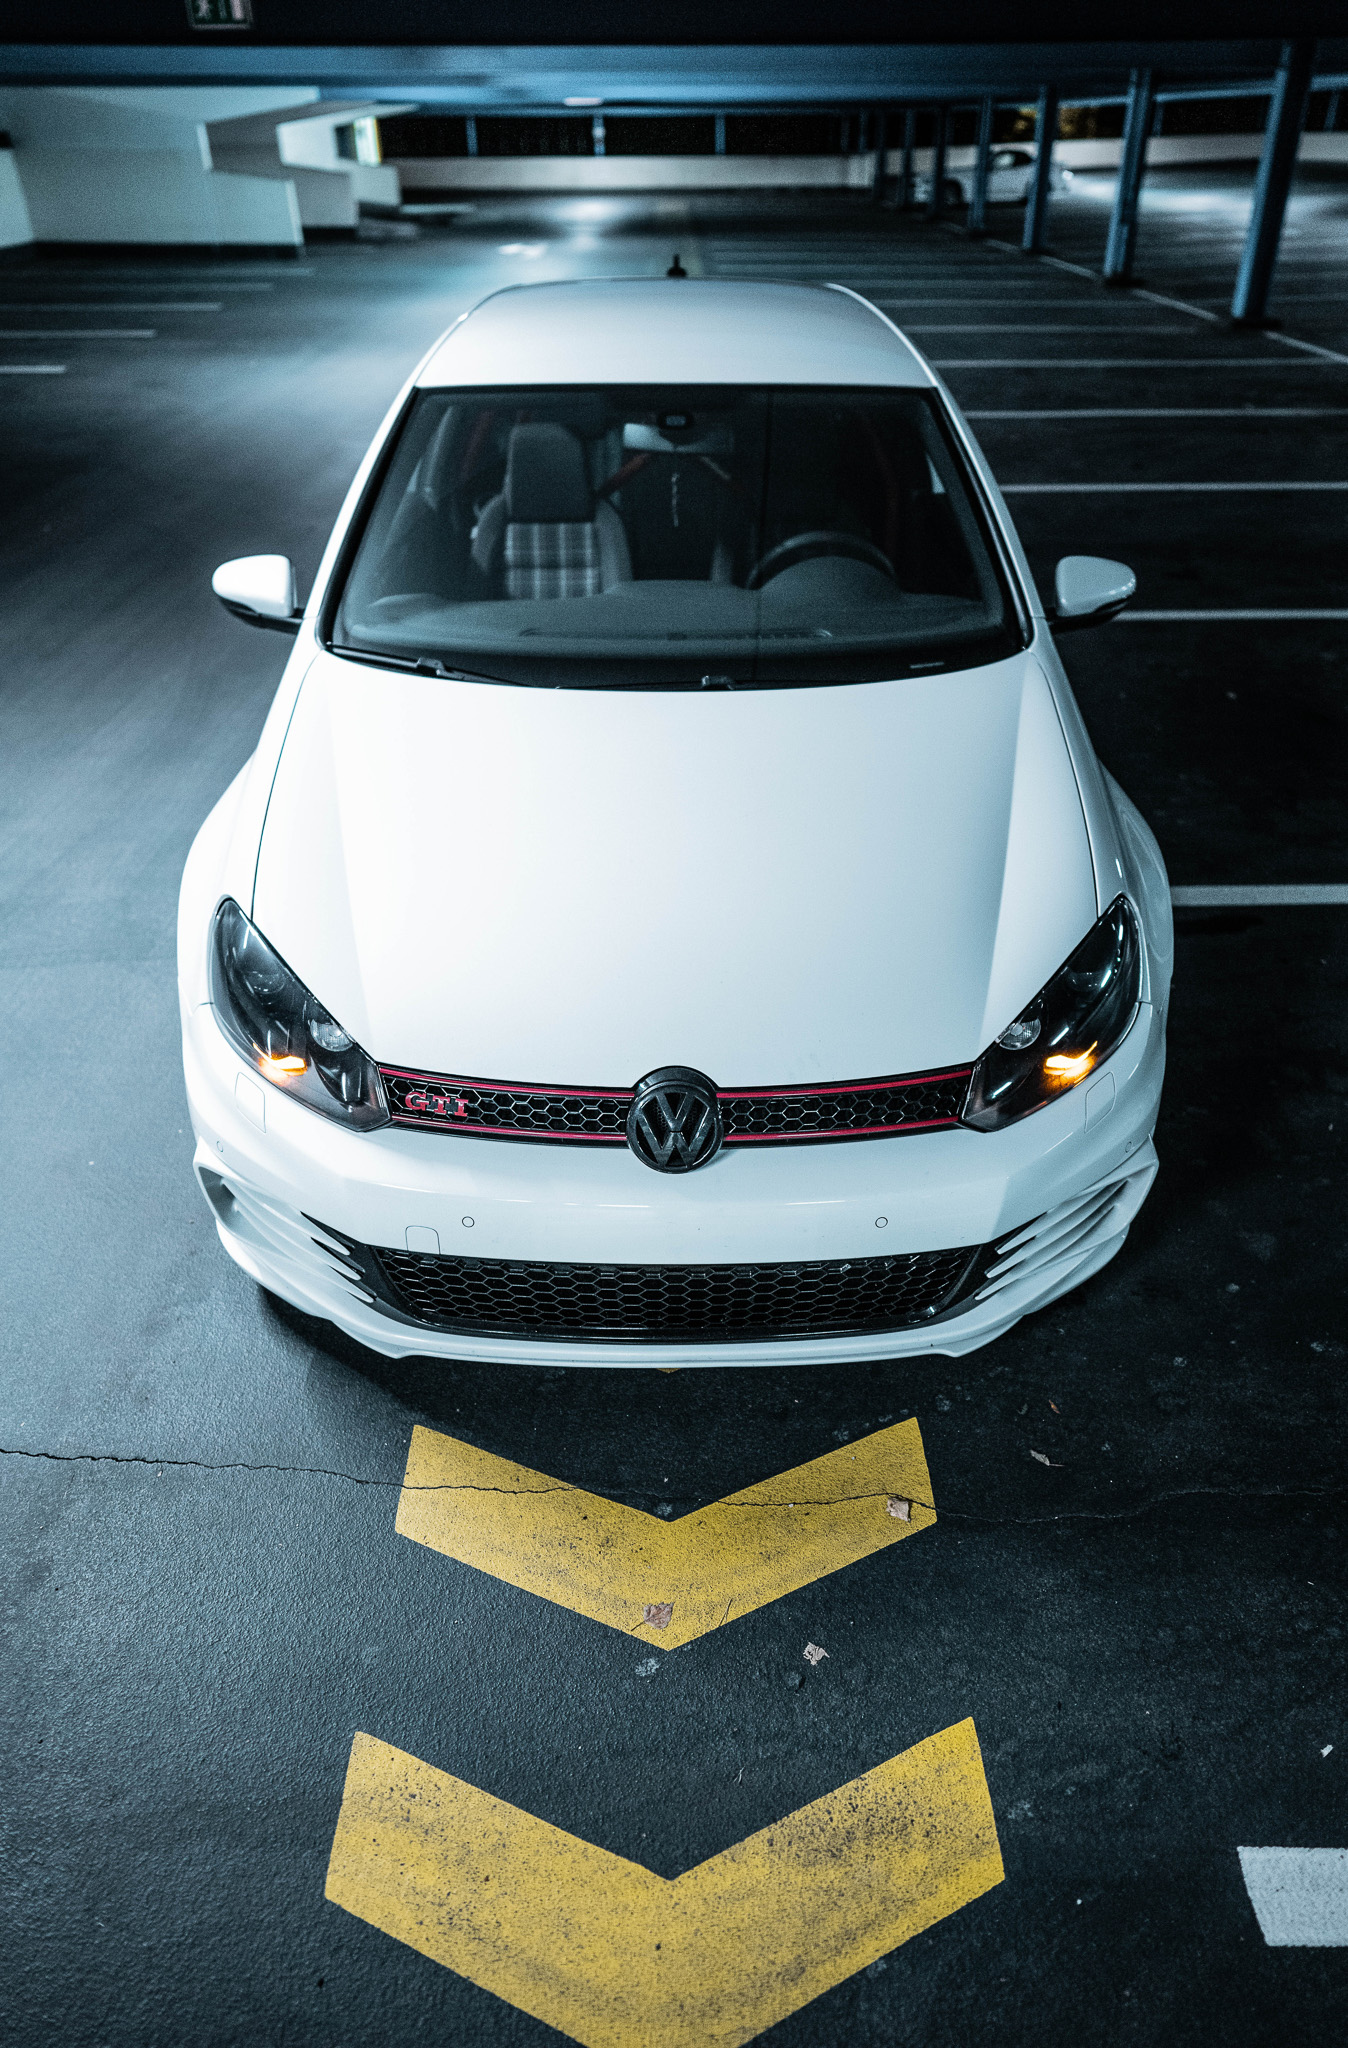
(672, 1304)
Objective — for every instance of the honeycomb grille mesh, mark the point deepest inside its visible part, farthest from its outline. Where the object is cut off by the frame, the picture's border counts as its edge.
(669, 1304)
(855, 1109)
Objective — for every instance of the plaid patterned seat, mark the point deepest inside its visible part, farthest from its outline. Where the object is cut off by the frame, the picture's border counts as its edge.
(551, 559)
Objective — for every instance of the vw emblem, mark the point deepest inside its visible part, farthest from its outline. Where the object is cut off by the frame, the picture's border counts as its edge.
(674, 1123)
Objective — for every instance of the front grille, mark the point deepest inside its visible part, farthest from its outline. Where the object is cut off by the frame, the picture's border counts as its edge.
(751, 1116)
(671, 1304)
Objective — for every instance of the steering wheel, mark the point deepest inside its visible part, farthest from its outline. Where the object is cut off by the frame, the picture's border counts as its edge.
(805, 547)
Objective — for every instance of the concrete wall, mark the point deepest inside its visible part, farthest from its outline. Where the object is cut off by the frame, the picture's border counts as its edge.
(706, 173)
(135, 165)
(15, 226)
(631, 173)
(330, 189)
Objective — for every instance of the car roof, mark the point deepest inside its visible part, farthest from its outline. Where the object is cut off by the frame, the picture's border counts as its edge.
(673, 331)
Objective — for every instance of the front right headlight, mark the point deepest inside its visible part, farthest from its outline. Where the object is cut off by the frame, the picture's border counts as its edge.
(284, 1031)
(1076, 1021)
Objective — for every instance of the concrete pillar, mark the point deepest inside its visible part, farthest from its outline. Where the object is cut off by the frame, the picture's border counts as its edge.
(1036, 206)
(978, 205)
(1122, 237)
(470, 134)
(880, 143)
(1286, 112)
(909, 144)
(720, 135)
(597, 134)
(936, 197)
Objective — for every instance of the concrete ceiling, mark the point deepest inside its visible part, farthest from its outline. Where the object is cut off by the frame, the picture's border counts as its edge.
(669, 75)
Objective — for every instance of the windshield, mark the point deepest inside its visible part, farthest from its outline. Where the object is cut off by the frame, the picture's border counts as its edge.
(686, 539)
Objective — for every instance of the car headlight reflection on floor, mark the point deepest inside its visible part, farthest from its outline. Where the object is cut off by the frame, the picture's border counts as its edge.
(1074, 1023)
(284, 1031)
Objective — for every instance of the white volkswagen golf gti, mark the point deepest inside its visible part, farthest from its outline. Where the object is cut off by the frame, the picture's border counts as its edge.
(674, 914)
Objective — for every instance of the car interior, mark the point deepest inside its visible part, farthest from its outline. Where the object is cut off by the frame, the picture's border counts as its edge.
(659, 516)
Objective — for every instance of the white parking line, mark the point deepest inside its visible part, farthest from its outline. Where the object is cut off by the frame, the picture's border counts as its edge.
(1271, 614)
(1081, 305)
(1300, 1896)
(32, 369)
(77, 333)
(116, 306)
(1163, 412)
(1025, 327)
(1258, 896)
(1311, 348)
(1007, 489)
(1126, 362)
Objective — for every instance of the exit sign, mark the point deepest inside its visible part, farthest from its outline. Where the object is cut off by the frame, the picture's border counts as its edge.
(220, 13)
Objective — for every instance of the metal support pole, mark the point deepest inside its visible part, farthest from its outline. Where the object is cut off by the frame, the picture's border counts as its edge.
(880, 144)
(936, 196)
(1036, 206)
(597, 134)
(720, 135)
(909, 145)
(1286, 112)
(1122, 238)
(1331, 113)
(470, 134)
(978, 206)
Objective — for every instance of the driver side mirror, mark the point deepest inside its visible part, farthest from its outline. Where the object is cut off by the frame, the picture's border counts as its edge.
(1089, 591)
(260, 589)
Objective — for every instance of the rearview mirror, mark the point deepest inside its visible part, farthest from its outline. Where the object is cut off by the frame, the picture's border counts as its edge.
(260, 589)
(1089, 590)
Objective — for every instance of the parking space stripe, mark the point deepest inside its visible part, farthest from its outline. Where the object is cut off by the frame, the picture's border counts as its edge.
(1258, 895)
(77, 333)
(617, 1565)
(1160, 412)
(613, 1955)
(1300, 1896)
(32, 369)
(1128, 363)
(1212, 615)
(116, 306)
(1025, 327)
(1310, 484)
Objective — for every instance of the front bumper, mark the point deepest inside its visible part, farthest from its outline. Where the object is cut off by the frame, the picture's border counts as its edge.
(1055, 1194)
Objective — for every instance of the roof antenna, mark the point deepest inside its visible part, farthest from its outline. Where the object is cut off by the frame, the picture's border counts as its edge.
(676, 269)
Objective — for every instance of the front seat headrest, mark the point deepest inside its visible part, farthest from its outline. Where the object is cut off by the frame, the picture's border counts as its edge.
(546, 484)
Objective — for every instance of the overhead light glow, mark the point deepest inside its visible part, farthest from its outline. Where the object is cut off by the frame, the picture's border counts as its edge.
(582, 100)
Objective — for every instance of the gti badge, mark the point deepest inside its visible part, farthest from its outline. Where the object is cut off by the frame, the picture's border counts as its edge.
(674, 1123)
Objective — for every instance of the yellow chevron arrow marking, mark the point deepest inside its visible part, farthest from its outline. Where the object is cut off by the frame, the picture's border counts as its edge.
(611, 1562)
(616, 1957)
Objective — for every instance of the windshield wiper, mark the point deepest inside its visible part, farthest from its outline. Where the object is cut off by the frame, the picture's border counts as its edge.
(417, 665)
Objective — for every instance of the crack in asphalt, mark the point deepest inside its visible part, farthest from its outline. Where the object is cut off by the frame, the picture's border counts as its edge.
(1142, 1507)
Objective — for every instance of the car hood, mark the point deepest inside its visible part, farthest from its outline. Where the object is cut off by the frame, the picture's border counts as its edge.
(576, 886)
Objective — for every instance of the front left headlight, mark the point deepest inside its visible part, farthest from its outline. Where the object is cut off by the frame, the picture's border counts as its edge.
(284, 1031)
(1076, 1021)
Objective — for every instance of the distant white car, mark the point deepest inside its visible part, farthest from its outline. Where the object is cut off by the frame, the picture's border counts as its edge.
(674, 914)
(1010, 173)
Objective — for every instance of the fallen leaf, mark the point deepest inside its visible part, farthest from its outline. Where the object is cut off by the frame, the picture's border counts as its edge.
(900, 1509)
(659, 1613)
(813, 1654)
(1054, 1406)
(1046, 1461)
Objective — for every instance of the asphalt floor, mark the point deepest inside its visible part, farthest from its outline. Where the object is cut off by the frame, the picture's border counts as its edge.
(1134, 1585)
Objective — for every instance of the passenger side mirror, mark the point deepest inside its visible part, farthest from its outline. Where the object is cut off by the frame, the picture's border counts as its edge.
(1089, 591)
(260, 589)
